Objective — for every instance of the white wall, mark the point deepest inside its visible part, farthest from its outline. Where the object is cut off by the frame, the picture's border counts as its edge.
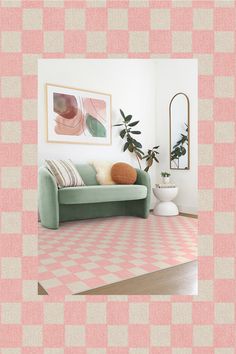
(139, 87)
(175, 76)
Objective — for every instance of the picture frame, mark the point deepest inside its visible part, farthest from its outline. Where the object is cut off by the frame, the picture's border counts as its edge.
(77, 116)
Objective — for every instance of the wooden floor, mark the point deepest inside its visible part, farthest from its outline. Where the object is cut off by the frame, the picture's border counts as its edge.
(178, 280)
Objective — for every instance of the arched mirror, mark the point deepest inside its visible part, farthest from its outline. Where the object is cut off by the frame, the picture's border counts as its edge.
(179, 132)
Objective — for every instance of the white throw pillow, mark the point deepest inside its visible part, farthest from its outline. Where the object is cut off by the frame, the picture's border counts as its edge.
(103, 169)
(65, 173)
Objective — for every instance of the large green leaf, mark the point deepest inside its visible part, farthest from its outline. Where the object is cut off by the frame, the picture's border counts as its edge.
(95, 127)
(126, 146)
(156, 159)
(128, 118)
(133, 123)
(122, 133)
(122, 113)
(136, 143)
(135, 132)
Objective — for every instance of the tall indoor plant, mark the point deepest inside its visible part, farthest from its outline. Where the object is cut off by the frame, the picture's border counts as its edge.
(131, 144)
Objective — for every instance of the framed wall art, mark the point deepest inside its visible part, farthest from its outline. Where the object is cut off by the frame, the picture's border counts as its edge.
(77, 116)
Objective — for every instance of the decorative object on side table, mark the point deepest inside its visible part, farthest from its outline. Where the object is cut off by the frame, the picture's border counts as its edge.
(165, 177)
(165, 193)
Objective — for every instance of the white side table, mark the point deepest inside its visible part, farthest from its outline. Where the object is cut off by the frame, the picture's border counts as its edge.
(165, 206)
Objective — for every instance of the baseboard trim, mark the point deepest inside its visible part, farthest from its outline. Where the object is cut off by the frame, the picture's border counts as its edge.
(194, 216)
(188, 215)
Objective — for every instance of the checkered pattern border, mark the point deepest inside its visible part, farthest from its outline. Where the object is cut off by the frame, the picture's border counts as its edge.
(106, 29)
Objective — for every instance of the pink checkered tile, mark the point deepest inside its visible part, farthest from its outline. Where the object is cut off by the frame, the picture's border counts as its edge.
(224, 246)
(160, 42)
(138, 336)
(206, 86)
(29, 176)
(7, 339)
(206, 177)
(139, 19)
(224, 335)
(224, 200)
(224, 154)
(32, 313)
(224, 19)
(10, 200)
(203, 42)
(75, 41)
(10, 245)
(11, 109)
(118, 41)
(32, 42)
(181, 335)
(29, 132)
(182, 19)
(54, 336)
(11, 19)
(160, 313)
(29, 86)
(117, 313)
(224, 109)
(206, 132)
(224, 64)
(11, 64)
(7, 157)
(220, 293)
(96, 335)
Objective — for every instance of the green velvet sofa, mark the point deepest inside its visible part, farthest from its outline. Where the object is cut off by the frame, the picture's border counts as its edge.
(91, 201)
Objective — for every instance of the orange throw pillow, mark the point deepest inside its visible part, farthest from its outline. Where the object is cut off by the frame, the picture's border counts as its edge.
(123, 173)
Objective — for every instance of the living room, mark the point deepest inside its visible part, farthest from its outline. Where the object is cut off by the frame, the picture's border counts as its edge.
(108, 243)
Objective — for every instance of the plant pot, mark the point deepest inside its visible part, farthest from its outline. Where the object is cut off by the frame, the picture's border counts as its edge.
(166, 180)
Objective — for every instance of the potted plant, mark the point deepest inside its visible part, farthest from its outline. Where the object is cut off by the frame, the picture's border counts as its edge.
(165, 177)
(132, 145)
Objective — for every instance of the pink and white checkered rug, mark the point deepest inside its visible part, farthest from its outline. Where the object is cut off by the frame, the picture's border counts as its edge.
(87, 254)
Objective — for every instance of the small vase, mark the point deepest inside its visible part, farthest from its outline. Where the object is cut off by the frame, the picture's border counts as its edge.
(166, 180)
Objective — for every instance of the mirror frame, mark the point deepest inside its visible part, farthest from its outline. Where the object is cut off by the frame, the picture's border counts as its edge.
(188, 114)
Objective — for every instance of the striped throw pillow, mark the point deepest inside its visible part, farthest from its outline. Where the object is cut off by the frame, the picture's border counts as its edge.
(65, 173)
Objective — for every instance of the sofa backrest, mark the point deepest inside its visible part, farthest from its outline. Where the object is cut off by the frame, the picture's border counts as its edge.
(88, 174)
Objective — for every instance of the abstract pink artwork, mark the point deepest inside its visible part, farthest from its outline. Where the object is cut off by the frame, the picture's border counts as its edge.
(77, 116)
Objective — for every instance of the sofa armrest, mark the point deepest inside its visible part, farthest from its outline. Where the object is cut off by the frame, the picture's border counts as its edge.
(48, 199)
(143, 178)
(142, 207)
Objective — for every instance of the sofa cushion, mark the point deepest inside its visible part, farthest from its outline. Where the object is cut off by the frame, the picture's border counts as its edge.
(98, 194)
(65, 173)
(123, 173)
(88, 174)
(103, 169)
